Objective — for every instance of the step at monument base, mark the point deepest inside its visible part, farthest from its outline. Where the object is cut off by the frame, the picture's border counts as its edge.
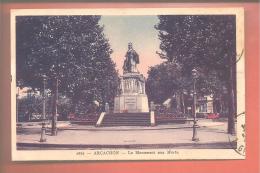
(126, 119)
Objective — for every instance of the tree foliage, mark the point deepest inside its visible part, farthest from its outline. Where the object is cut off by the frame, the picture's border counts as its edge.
(204, 42)
(71, 48)
(166, 80)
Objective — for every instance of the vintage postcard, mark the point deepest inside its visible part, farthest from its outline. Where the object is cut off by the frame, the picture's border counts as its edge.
(128, 84)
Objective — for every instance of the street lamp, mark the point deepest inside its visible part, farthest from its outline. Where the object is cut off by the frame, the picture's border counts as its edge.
(43, 132)
(194, 74)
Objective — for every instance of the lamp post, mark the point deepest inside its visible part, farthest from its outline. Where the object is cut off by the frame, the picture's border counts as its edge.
(43, 132)
(194, 73)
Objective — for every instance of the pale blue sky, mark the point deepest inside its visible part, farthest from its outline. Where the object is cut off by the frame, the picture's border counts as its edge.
(120, 30)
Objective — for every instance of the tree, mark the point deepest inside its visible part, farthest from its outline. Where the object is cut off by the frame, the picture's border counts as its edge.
(72, 52)
(166, 81)
(204, 42)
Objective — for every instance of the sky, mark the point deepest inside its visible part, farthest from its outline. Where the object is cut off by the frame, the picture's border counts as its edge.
(120, 30)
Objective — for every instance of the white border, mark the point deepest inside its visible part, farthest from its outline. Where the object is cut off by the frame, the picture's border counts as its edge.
(185, 154)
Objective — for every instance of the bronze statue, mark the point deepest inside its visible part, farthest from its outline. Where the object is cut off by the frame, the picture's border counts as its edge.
(132, 58)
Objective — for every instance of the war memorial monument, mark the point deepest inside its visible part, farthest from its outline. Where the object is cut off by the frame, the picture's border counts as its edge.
(132, 97)
(131, 104)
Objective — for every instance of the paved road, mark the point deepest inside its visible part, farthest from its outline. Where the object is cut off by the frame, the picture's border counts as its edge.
(211, 134)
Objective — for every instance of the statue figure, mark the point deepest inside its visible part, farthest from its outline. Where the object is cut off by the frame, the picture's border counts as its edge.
(132, 58)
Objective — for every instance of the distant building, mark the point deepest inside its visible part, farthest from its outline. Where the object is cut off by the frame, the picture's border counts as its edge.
(205, 104)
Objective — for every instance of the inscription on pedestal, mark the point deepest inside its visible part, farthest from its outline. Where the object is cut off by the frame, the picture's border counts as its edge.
(130, 103)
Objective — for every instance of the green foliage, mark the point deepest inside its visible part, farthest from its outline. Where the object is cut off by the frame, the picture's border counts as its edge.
(70, 48)
(166, 79)
(205, 42)
(197, 40)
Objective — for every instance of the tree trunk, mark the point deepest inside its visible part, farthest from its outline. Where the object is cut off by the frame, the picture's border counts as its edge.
(221, 104)
(183, 103)
(231, 91)
(54, 108)
(178, 102)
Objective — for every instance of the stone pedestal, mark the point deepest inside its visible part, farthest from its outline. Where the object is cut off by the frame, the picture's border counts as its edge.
(132, 96)
(131, 103)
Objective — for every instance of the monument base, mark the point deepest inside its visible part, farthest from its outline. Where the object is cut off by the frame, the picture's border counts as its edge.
(131, 103)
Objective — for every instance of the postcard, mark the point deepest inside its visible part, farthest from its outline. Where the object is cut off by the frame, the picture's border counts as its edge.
(128, 84)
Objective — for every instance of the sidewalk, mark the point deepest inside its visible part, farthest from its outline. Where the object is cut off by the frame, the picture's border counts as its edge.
(211, 135)
(65, 125)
